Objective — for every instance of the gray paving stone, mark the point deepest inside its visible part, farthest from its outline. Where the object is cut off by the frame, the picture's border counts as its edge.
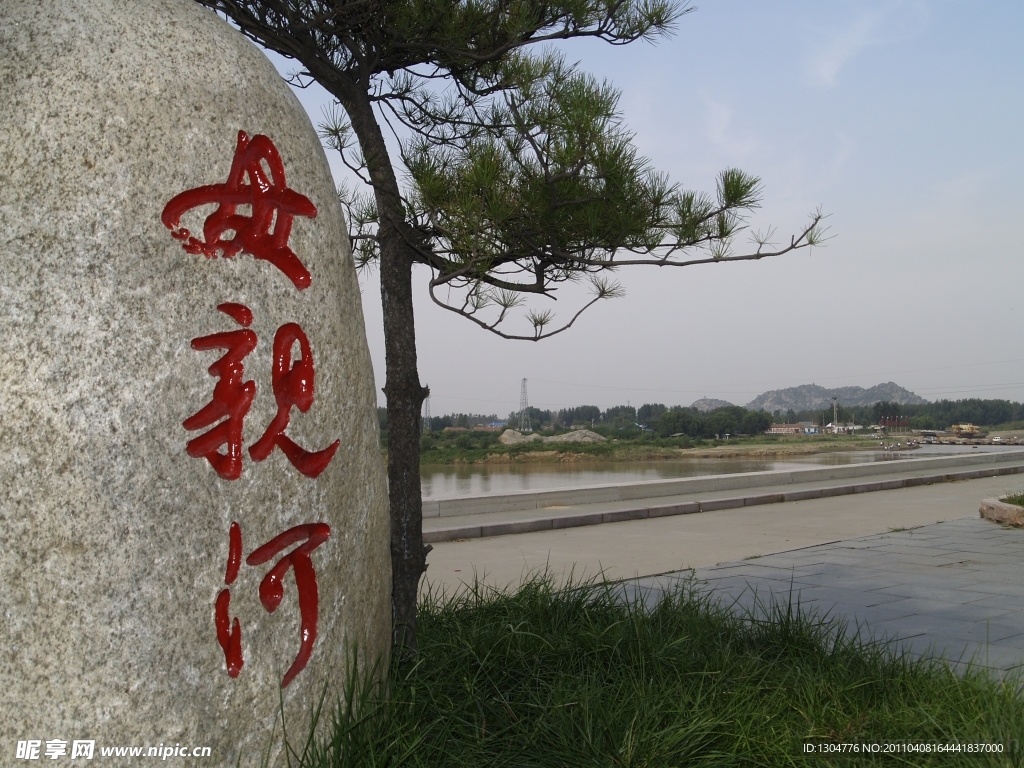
(995, 600)
(981, 631)
(969, 546)
(1013, 641)
(935, 593)
(962, 657)
(773, 573)
(947, 610)
(959, 594)
(1012, 591)
(910, 554)
(910, 627)
(847, 596)
(952, 588)
(632, 592)
(955, 650)
(868, 618)
(764, 586)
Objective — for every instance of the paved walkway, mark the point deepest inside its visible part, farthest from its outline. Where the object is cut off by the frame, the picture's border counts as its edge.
(954, 589)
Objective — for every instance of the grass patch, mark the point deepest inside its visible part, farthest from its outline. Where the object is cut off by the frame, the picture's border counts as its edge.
(1015, 498)
(1008, 426)
(575, 676)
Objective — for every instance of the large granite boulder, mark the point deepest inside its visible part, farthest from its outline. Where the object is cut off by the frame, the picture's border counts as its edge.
(192, 500)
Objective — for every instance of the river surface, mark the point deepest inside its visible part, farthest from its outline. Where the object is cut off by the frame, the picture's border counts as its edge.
(452, 482)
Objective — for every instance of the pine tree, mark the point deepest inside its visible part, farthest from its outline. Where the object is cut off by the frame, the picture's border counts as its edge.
(523, 178)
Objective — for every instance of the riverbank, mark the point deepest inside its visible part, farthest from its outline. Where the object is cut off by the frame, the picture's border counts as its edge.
(448, 452)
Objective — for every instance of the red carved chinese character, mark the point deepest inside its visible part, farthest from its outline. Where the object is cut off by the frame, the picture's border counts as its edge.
(268, 196)
(230, 639)
(231, 397)
(293, 386)
(272, 590)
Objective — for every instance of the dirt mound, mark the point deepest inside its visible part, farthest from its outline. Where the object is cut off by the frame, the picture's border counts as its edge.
(512, 437)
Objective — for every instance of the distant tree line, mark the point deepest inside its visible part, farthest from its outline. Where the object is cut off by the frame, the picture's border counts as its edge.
(667, 421)
(461, 420)
(655, 418)
(941, 414)
(728, 420)
(937, 415)
(438, 423)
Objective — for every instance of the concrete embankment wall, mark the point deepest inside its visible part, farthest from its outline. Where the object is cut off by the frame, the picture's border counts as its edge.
(522, 500)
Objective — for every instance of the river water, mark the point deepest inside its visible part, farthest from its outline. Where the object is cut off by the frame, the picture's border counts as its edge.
(450, 482)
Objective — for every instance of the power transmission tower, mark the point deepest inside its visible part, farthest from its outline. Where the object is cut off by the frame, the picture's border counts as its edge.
(426, 414)
(524, 411)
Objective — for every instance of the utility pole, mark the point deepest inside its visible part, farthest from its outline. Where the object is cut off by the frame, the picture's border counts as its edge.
(524, 411)
(835, 410)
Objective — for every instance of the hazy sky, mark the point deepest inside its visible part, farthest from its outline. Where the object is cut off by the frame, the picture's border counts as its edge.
(903, 120)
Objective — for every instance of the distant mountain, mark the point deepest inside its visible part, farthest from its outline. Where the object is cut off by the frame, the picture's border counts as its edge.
(812, 397)
(706, 404)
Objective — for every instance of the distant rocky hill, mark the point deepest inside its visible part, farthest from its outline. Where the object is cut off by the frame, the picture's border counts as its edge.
(812, 397)
(706, 404)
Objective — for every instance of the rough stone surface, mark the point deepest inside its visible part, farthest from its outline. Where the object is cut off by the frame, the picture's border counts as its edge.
(512, 437)
(1001, 512)
(708, 404)
(115, 540)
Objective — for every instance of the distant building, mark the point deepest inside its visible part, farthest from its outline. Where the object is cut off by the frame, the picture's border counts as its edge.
(842, 429)
(965, 430)
(801, 428)
(785, 429)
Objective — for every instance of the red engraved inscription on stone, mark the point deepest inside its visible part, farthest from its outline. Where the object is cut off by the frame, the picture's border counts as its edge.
(234, 553)
(231, 397)
(272, 590)
(240, 313)
(230, 637)
(264, 233)
(293, 386)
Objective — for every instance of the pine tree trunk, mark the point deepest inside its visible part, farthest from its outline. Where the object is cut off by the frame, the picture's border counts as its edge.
(402, 388)
(404, 400)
